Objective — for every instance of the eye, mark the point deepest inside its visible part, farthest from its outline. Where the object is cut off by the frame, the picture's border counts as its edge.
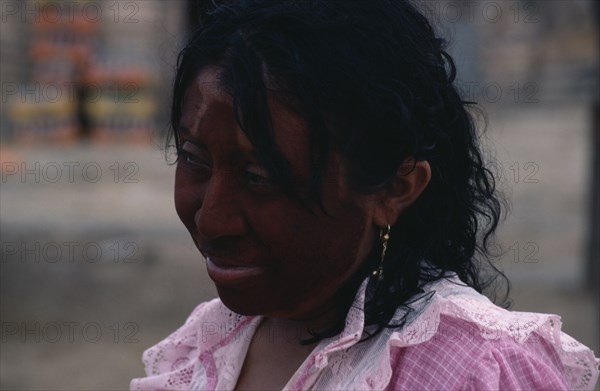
(258, 176)
(194, 158)
(191, 159)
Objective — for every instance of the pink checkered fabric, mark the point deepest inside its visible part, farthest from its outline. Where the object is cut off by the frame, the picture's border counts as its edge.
(458, 340)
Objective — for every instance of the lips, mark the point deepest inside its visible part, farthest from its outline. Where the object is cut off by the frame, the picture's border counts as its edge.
(225, 273)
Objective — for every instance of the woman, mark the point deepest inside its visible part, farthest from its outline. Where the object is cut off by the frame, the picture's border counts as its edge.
(331, 177)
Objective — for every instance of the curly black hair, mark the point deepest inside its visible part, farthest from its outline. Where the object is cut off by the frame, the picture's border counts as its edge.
(374, 82)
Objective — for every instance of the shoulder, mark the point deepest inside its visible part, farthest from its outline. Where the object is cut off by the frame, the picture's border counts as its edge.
(463, 341)
(173, 359)
(458, 356)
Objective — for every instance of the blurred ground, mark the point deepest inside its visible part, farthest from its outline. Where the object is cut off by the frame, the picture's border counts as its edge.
(84, 294)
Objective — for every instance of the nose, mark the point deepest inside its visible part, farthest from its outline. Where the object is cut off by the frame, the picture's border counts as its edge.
(221, 214)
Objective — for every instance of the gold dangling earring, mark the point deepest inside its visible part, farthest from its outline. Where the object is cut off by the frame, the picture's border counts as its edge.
(384, 236)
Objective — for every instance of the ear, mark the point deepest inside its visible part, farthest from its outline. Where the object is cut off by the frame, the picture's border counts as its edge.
(405, 188)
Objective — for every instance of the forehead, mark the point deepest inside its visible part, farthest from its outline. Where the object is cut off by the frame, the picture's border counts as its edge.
(202, 99)
(207, 107)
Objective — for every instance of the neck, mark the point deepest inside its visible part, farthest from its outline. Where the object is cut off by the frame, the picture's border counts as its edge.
(294, 331)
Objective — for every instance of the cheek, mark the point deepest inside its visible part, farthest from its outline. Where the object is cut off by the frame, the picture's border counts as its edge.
(312, 252)
(340, 246)
(320, 261)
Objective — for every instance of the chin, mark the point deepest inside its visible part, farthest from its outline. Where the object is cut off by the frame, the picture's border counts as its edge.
(244, 303)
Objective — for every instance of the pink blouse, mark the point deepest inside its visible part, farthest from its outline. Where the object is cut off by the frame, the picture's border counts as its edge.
(458, 341)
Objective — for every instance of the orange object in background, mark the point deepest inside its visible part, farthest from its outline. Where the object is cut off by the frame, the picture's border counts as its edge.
(103, 95)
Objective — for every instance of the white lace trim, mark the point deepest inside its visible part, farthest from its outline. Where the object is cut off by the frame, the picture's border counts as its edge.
(196, 354)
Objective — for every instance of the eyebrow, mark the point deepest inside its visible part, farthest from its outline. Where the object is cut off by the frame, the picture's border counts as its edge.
(185, 131)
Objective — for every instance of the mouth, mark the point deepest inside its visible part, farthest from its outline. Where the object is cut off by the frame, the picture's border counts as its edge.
(226, 274)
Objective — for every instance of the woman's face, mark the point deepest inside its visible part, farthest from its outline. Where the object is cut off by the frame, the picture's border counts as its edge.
(266, 252)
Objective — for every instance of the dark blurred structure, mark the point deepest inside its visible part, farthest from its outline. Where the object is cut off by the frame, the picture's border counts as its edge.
(196, 9)
(593, 276)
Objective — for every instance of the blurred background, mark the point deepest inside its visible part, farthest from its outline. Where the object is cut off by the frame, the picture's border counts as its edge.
(96, 266)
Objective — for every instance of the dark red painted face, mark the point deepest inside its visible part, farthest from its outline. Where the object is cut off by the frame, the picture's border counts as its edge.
(266, 253)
